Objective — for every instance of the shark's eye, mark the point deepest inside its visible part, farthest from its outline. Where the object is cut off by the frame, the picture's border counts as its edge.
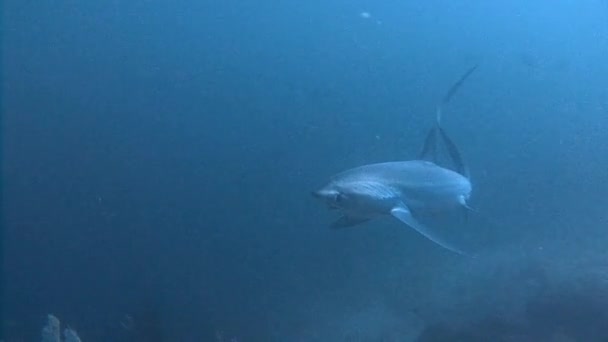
(339, 197)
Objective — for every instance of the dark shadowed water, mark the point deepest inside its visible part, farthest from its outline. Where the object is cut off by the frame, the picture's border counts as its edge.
(158, 158)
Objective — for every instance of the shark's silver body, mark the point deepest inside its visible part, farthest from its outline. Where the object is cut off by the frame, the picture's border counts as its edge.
(400, 189)
(403, 189)
(418, 184)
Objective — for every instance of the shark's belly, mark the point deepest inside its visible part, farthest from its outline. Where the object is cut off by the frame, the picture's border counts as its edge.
(370, 207)
(433, 197)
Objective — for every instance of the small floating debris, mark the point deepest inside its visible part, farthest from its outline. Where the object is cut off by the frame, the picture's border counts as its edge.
(365, 15)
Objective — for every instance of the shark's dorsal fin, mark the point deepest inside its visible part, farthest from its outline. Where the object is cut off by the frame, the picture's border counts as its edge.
(454, 153)
(430, 148)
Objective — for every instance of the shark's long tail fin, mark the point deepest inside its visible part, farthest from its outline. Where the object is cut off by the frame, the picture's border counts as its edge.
(452, 91)
(429, 149)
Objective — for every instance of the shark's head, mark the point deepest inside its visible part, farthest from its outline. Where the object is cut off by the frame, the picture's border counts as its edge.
(331, 195)
(361, 198)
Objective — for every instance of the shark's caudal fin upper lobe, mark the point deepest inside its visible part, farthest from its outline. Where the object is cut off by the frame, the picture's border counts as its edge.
(454, 88)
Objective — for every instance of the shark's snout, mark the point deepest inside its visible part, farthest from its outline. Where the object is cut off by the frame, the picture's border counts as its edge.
(316, 194)
(328, 196)
(325, 193)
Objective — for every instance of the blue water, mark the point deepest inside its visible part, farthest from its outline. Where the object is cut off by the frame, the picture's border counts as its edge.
(159, 158)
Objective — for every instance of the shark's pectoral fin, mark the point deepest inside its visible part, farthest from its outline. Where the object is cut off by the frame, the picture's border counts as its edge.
(403, 214)
(348, 221)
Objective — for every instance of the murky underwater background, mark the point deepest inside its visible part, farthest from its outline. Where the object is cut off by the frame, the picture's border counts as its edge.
(159, 157)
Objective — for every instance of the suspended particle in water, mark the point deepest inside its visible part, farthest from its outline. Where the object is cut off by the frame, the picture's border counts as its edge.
(365, 15)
